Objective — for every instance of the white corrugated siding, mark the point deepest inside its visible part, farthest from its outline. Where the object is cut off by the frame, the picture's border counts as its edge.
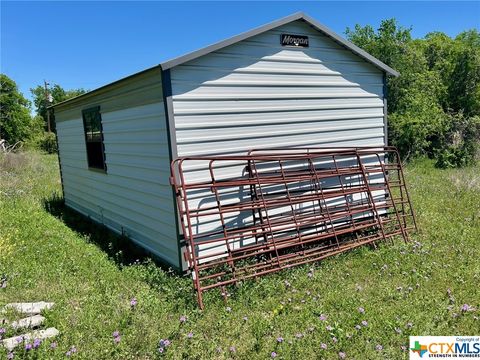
(134, 195)
(258, 94)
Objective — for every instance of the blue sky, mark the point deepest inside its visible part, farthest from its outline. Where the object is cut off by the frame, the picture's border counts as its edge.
(89, 44)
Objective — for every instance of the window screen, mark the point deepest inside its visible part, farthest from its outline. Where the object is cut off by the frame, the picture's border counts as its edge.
(92, 125)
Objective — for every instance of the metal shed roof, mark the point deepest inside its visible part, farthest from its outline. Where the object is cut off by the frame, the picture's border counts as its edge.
(237, 38)
(294, 17)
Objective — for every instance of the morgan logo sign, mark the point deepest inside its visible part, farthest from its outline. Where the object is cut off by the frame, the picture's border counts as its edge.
(294, 40)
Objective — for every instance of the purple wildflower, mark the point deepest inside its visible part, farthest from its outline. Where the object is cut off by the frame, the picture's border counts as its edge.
(322, 317)
(323, 346)
(466, 307)
(2, 330)
(342, 355)
(73, 349)
(361, 310)
(28, 346)
(133, 302)
(329, 328)
(117, 339)
(163, 343)
(19, 339)
(334, 339)
(280, 339)
(364, 323)
(10, 356)
(36, 343)
(190, 335)
(116, 334)
(183, 318)
(53, 345)
(379, 347)
(68, 353)
(233, 349)
(274, 354)
(417, 244)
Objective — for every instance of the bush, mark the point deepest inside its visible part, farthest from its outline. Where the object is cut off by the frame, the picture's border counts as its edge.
(417, 127)
(451, 138)
(47, 142)
(459, 145)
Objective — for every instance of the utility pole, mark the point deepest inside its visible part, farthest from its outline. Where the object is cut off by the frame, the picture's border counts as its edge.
(47, 102)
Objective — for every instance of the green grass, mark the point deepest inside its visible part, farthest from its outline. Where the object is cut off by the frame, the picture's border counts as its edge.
(49, 253)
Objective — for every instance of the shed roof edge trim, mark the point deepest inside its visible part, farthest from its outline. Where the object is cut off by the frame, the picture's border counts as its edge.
(272, 25)
(104, 88)
(235, 39)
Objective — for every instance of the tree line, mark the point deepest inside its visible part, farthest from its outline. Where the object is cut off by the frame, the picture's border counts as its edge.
(19, 125)
(433, 106)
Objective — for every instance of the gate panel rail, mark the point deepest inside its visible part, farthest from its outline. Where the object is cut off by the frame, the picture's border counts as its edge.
(246, 216)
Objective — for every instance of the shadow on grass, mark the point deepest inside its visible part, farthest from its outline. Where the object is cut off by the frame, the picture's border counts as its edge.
(125, 252)
(119, 248)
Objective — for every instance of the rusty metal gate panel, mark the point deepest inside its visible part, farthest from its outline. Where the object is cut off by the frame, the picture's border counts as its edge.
(279, 208)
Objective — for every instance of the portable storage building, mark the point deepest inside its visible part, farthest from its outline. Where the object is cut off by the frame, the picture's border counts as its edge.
(292, 82)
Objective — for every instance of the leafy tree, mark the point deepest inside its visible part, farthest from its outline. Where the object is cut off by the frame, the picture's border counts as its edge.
(433, 103)
(16, 124)
(464, 84)
(391, 44)
(58, 94)
(438, 49)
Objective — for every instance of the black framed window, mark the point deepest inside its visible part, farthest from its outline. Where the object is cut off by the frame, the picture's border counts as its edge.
(92, 126)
